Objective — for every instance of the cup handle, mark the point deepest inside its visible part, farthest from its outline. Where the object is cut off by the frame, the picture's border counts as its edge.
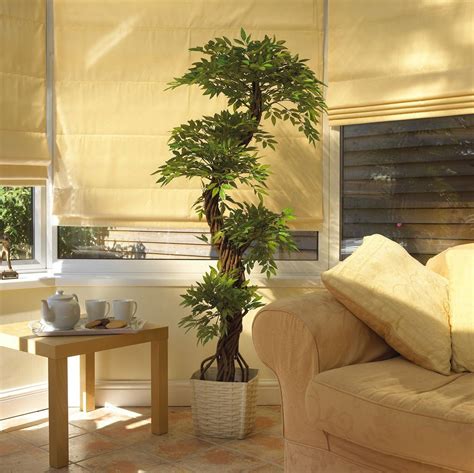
(136, 308)
(107, 310)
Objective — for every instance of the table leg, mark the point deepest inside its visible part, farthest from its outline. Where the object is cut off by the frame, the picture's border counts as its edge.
(159, 387)
(87, 394)
(58, 412)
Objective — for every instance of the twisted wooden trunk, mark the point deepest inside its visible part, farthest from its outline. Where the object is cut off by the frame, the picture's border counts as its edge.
(230, 258)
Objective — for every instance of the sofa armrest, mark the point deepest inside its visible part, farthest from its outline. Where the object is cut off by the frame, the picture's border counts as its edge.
(302, 336)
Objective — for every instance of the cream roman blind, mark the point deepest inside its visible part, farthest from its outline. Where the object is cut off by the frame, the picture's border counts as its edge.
(24, 157)
(113, 117)
(397, 59)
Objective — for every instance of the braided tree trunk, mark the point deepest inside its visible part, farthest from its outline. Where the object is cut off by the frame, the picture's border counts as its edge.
(227, 351)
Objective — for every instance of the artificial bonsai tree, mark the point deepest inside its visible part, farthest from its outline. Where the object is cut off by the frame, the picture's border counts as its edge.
(262, 81)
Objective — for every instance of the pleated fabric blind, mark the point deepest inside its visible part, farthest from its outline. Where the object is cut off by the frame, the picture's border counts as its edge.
(24, 156)
(113, 117)
(400, 59)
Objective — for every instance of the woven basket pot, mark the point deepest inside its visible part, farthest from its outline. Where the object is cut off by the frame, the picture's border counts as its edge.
(224, 410)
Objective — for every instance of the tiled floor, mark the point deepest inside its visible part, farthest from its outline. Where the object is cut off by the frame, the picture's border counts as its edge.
(118, 440)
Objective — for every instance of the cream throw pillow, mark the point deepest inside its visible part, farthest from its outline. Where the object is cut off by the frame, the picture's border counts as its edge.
(398, 298)
(457, 264)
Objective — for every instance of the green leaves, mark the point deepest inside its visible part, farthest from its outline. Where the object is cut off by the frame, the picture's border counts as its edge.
(258, 234)
(290, 89)
(16, 219)
(262, 81)
(215, 301)
(211, 149)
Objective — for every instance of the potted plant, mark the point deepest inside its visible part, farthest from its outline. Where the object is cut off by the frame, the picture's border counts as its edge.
(262, 81)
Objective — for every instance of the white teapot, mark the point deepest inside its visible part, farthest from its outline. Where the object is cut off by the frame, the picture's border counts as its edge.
(61, 310)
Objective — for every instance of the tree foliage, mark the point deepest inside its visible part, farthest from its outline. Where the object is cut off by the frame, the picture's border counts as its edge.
(262, 81)
(289, 88)
(16, 219)
(214, 301)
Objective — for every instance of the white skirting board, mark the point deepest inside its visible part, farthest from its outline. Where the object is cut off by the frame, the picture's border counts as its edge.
(18, 401)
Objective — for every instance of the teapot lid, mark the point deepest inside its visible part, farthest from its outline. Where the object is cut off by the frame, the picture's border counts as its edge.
(60, 296)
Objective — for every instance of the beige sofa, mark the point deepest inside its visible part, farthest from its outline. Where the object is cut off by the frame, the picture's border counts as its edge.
(351, 404)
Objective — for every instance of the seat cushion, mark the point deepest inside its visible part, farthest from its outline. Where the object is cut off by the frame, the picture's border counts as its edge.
(398, 408)
(401, 300)
(457, 264)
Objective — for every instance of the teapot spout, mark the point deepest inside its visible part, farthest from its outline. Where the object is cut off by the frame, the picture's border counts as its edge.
(46, 313)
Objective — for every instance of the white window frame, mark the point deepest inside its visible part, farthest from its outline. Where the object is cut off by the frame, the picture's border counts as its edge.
(39, 261)
(297, 270)
(191, 269)
(334, 196)
(336, 184)
(307, 272)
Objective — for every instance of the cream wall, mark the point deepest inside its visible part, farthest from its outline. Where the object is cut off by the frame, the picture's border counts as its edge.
(156, 304)
(21, 369)
(161, 305)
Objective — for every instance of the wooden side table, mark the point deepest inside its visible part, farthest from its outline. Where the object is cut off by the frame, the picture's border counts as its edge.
(18, 337)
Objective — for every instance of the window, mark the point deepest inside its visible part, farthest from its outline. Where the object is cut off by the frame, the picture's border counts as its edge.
(412, 181)
(153, 244)
(23, 219)
(17, 220)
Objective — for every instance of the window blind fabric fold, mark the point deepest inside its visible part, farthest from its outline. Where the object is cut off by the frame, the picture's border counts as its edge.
(113, 117)
(24, 156)
(400, 59)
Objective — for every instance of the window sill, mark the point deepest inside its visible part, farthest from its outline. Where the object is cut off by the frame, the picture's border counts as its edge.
(42, 280)
(173, 273)
(174, 280)
(28, 281)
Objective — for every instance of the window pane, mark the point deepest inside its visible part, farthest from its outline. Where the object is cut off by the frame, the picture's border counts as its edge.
(132, 243)
(410, 180)
(16, 220)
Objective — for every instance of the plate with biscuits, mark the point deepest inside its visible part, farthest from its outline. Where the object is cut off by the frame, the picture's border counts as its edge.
(106, 326)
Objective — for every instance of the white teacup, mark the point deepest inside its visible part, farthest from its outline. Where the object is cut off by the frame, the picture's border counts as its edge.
(124, 309)
(97, 309)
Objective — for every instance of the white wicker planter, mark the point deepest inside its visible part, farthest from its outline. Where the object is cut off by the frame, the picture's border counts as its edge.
(223, 410)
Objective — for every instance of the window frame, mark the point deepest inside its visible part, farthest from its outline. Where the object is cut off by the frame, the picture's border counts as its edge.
(334, 196)
(337, 158)
(39, 261)
(303, 270)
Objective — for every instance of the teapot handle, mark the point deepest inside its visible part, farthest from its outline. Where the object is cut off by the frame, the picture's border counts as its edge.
(75, 297)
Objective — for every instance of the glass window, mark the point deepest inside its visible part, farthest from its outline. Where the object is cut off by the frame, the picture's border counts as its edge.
(410, 180)
(17, 220)
(153, 244)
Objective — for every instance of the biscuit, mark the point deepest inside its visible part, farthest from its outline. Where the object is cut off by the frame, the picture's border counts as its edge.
(116, 324)
(93, 324)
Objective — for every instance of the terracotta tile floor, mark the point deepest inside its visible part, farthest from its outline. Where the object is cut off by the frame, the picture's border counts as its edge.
(118, 440)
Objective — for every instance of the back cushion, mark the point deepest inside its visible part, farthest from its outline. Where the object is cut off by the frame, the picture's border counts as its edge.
(397, 297)
(457, 264)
